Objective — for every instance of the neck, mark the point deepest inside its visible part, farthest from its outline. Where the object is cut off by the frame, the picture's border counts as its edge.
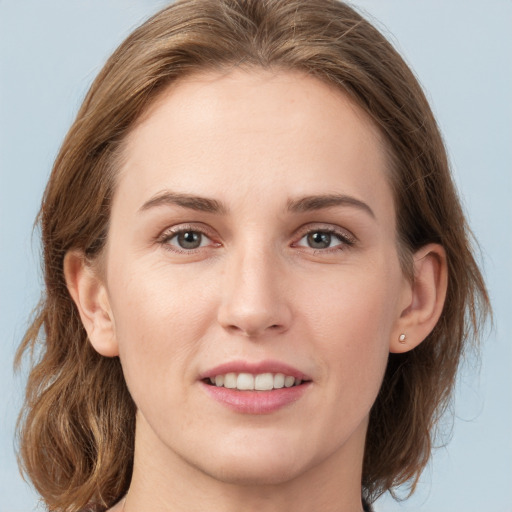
(163, 481)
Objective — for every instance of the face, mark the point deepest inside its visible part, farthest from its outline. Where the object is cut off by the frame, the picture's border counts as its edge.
(252, 243)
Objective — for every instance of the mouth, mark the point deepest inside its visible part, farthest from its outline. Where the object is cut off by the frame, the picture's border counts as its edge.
(250, 382)
(255, 388)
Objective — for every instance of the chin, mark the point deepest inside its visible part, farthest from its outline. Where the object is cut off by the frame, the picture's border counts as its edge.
(268, 462)
(243, 472)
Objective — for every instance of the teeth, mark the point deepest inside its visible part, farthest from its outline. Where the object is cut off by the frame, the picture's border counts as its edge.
(264, 382)
(279, 381)
(230, 380)
(260, 382)
(245, 381)
(289, 382)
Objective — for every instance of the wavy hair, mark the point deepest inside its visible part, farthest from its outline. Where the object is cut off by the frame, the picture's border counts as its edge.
(76, 441)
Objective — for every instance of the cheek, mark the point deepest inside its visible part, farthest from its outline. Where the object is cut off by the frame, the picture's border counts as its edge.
(359, 304)
(353, 321)
(160, 319)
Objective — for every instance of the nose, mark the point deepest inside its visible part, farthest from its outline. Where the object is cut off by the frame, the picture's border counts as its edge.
(254, 302)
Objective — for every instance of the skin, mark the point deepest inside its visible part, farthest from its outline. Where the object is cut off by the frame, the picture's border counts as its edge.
(255, 289)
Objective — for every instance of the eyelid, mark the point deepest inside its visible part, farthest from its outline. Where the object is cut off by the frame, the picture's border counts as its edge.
(184, 226)
(345, 235)
(347, 238)
(172, 231)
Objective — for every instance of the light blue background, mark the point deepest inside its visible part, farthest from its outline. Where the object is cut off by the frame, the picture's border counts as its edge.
(461, 50)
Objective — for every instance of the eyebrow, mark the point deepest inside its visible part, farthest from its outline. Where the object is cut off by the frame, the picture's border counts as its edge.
(192, 202)
(300, 205)
(311, 203)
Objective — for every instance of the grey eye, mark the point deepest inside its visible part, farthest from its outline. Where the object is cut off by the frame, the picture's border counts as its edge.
(189, 239)
(319, 240)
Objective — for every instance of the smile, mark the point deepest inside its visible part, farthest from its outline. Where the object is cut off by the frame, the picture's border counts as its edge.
(257, 388)
(250, 382)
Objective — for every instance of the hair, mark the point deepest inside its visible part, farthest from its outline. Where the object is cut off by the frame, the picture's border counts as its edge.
(76, 441)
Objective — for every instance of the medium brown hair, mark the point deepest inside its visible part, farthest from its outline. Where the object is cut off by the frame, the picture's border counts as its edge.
(76, 440)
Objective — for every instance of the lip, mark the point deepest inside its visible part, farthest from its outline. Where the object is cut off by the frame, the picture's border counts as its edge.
(255, 368)
(255, 402)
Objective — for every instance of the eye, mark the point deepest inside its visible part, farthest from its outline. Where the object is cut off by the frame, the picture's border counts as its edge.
(320, 239)
(186, 239)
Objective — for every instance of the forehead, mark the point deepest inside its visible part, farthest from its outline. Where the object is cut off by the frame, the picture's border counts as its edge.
(213, 132)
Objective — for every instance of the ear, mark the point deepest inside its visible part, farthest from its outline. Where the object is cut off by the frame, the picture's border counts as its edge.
(90, 296)
(424, 301)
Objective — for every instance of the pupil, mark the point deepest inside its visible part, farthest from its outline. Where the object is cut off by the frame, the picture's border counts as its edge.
(189, 240)
(319, 240)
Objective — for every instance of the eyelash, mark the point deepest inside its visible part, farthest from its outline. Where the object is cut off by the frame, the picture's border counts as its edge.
(346, 239)
(165, 238)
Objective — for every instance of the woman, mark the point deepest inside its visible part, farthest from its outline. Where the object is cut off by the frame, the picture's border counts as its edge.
(258, 276)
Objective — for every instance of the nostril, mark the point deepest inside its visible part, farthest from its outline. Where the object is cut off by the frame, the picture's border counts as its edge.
(252, 331)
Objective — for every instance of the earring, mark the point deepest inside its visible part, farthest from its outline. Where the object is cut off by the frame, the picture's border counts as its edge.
(401, 338)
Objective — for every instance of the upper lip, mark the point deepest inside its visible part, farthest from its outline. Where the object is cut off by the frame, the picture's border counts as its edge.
(254, 368)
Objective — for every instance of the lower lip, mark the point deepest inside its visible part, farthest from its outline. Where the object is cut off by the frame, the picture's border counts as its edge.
(256, 402)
